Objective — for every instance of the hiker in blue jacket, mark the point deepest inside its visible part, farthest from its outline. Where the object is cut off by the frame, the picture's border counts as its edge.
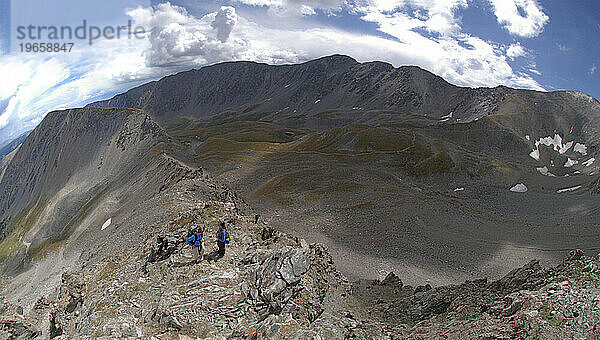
(195, 241)
(222, 239)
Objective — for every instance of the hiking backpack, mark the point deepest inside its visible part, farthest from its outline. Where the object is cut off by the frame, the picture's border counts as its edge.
(191, 231)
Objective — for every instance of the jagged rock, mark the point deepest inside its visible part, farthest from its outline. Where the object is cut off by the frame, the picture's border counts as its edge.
(423, 288)
(72, 291)
(277, 327)
(17, 328)
(519, 277)
(276, 280)
(391, 280)
(42, 303)
(250, 259)
(165, 247)
(56, 328)
(514, 304)
(575, 255)
(10, 309)
(267, 233)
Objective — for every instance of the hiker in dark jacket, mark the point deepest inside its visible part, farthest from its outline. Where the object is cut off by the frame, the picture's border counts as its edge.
(222, 239)
(195, 241)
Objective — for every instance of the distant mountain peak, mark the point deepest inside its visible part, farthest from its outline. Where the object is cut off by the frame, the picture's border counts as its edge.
(334, 59)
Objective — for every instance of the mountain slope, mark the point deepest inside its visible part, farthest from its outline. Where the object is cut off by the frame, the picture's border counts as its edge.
(79, 172)
(386, 164)
(336, 91)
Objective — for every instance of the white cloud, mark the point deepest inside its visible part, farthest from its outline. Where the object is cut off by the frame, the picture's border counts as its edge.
(458, 57)
(592, 70)
(35, 80)
(37, 83)
(285, 8)
(515, 51)
(224, 22)
(435, 16)
(179, 39)
(524, 18)
(535, 71)
(562, 48)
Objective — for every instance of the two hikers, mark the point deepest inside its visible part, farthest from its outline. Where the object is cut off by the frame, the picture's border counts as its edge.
(197, 243)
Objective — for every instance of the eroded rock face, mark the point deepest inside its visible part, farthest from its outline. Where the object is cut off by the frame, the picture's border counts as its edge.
(165, 247)
(276, 281)
(17, 328)
(391, 280)
(526, 276)
(294, 281)
(63, 313)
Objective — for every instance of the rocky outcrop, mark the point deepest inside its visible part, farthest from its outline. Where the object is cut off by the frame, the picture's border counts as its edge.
(17, 328)
(13, 324)
(63, 312)
(530, 301)
(165, 247)
(293, 281)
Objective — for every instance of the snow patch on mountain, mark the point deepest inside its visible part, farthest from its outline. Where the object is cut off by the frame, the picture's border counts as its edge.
(570, 162)
(446, 117)
(544, 171)
(568, 189)
(555, 142)
(520, 187)
(106, 224)
(589, 162)
(535, 154)
(581, 148)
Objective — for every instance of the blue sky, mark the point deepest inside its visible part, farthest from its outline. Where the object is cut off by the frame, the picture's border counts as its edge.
(534, 44)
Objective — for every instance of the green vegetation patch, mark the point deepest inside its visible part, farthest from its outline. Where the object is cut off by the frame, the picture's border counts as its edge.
(437, 164)
(178, 124)
(224, 146)
(358, 139)
(245, 131)
(52, 244)
(307, 185)
(18, 226)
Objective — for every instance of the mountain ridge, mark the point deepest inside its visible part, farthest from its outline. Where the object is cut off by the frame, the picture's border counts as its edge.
(327, 63)
(305, 76)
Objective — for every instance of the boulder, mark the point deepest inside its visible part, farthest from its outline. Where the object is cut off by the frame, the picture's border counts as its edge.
(391, 280)
(165, 247)
(17, 328)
